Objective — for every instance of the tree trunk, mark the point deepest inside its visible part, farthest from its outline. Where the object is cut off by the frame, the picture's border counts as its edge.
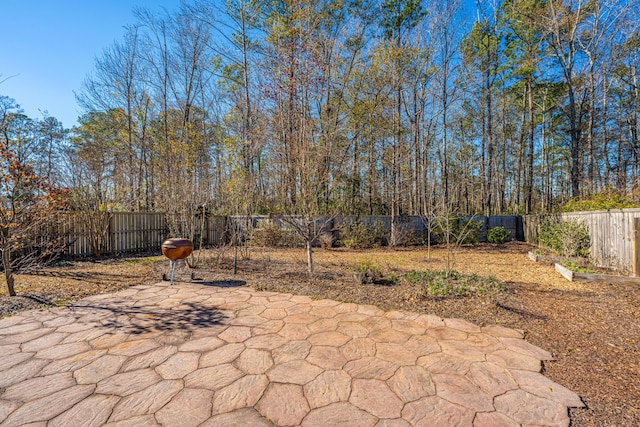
(8, 271)
(605, 136)
(574, 130)
(633, 125)
(310, 258)
(591, 162)
(445, 154)
(529, 199)
(546, 200)
(521, 176)
(489, 170)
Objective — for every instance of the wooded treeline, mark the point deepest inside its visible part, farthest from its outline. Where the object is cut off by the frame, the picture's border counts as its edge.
(353, 106)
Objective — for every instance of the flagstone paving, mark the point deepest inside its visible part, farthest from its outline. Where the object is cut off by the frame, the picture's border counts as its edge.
(202, 355)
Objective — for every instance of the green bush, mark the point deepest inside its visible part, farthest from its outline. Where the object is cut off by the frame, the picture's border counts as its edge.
(367, 272)
(498, 235)
(599, 202)
(440, 284)
(459, 230)
(565, 238)
(360, 236)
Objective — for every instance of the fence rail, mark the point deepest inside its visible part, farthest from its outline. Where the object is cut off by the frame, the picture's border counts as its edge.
(613, 234)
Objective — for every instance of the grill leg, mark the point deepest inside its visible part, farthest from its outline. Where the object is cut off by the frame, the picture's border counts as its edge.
(173, 271)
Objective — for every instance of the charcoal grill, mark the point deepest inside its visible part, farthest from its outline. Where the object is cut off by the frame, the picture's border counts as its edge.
(176, 249)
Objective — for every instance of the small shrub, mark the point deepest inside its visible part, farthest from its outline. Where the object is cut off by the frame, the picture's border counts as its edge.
(498, 235)
(565, 238)
(270, 234)
(574, 266)
(469, 231)
(484, 285)
(439, 287)
(459, 230)
(404, 233)
(360, 236)
(460, 290)
(441, 284)
(326, 240)
(393, 279)
(267, 234)
(367, 272)
(549, 236)
(451, 274)
(414, 277)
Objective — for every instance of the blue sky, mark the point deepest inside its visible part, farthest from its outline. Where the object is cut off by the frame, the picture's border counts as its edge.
(47, 48)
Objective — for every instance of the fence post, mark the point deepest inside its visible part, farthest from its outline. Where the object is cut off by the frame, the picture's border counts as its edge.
(636, 247)
(111, 233)
(205, 239)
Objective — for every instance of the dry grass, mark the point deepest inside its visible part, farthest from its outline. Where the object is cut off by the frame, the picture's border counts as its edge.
(69, 281)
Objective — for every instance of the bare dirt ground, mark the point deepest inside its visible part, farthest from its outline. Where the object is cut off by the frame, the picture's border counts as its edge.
(592, 329)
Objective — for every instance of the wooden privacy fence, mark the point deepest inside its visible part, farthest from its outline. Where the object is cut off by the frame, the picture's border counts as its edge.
(216, 230)
(121, 232)
(114, 232)
(614, 234)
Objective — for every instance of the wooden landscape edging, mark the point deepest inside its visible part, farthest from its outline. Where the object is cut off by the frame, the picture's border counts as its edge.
(551, 259)
(572, 276)
(542, 258)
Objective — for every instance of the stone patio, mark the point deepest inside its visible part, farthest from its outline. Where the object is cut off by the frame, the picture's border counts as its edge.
(203, 354)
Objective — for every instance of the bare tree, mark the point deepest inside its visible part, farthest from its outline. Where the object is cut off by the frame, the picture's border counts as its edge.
(116, 85)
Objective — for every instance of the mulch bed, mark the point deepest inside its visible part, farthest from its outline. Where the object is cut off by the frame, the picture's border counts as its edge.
(592, 329)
